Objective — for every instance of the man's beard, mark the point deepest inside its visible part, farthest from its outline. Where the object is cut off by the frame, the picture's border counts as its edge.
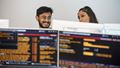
(41, 25)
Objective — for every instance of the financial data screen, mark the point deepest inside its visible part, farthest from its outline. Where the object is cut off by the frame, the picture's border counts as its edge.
(28, 47)
(10, 38)
(87, 50)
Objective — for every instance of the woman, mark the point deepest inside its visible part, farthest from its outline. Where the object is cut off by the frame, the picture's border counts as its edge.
(86, 14)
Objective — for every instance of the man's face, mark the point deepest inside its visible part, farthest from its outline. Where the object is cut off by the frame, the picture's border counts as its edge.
(44, 19)
(83, 17)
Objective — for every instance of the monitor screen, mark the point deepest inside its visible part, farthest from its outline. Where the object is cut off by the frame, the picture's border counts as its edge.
(28, 47)
(65, 25)
(4, 23)
(88, 50)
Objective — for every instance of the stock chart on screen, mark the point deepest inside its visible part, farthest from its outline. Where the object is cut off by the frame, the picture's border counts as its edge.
(28, 47)
(88, 50)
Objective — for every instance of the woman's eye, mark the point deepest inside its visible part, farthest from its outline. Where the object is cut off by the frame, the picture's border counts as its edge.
(82, 15)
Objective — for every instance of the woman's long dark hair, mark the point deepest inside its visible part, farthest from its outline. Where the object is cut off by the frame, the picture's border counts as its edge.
(90, 13)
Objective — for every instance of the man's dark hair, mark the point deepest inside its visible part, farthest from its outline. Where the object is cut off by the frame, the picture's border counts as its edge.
(90, 13)
(43, 9)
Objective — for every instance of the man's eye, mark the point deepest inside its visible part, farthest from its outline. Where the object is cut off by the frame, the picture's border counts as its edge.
(49, 17)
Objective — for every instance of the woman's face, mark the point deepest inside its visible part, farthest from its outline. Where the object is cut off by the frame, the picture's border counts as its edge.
(83, 16)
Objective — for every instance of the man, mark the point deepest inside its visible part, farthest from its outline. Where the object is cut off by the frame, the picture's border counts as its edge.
(43, 16)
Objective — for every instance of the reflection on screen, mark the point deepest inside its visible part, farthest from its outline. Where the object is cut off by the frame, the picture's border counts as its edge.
(28, 47)
(86, 50)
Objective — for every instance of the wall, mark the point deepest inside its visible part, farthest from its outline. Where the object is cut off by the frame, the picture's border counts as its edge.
(21, 13)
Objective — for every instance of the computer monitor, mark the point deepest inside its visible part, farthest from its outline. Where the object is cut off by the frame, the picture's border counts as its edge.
(65, 25)
(4, 23)
(88, 50)
(104, 28)
(28, 47)
(113, 29)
